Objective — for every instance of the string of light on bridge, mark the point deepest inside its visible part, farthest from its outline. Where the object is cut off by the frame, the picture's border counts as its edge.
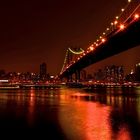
(66, 56)
(117, 25)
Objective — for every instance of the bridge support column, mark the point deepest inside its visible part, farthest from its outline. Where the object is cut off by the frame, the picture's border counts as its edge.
(69, 78)
(77, 76)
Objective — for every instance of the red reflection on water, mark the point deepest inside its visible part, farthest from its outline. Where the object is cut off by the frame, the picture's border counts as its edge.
(31, 107)
(31, 101)
(97, 124)
(123, 134)
(85, 120)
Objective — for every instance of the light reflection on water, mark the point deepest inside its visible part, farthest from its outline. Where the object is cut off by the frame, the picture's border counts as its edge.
(73, 114)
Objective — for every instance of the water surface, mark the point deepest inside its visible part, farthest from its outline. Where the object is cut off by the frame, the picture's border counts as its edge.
(71, 114)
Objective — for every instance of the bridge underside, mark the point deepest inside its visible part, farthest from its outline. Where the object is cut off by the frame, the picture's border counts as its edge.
(121, 41)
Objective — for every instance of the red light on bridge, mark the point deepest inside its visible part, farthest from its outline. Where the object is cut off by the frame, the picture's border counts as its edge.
(103, 40)
(115, 22)
(91, 48)
(122, 26)
(136, 16)
(96, 45)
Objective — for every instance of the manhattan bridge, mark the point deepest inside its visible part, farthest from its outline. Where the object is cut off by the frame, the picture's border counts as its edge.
(122, 34)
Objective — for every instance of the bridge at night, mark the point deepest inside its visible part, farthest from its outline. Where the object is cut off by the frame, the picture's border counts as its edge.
(122, 34)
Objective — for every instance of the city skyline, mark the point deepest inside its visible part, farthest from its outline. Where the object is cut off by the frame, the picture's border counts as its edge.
(32, 33)
(128, 59)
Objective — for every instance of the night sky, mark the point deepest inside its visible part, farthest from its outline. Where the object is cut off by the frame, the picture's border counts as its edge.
(36, 31)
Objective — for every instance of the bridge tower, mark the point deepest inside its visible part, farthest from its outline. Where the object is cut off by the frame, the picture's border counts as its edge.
(71, 56)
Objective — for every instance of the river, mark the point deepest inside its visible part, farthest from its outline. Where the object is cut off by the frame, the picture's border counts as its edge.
(70, 114)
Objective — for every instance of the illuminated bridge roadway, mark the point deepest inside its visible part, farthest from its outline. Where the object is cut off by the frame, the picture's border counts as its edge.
(124, 35)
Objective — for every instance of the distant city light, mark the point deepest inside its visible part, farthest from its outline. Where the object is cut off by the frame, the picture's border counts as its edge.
(132, 71)
(18, 73)
(117, 17)
(137, 64)
(122, 9)
(4, 80)
(52, 76)
(129, 0)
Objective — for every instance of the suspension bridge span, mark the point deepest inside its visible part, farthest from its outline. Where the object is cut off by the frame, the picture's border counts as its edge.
(122, 34)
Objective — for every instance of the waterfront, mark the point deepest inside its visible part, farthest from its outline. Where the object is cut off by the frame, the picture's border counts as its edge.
(71, 114)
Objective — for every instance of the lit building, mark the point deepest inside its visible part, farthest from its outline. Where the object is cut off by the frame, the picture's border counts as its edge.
(114, 73)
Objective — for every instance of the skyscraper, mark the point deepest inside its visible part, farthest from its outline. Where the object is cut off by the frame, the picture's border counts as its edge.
(43, 71)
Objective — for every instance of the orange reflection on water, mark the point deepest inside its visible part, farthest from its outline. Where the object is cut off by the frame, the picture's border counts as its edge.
(31, 107)
(31, 101)
(97, 124)
(123, 134)
(85, 120)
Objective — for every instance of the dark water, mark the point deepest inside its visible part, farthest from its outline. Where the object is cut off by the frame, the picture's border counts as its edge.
(70, 114)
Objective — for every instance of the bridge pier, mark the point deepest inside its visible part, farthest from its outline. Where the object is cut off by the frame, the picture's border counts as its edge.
(77, 76)
(69, 78)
